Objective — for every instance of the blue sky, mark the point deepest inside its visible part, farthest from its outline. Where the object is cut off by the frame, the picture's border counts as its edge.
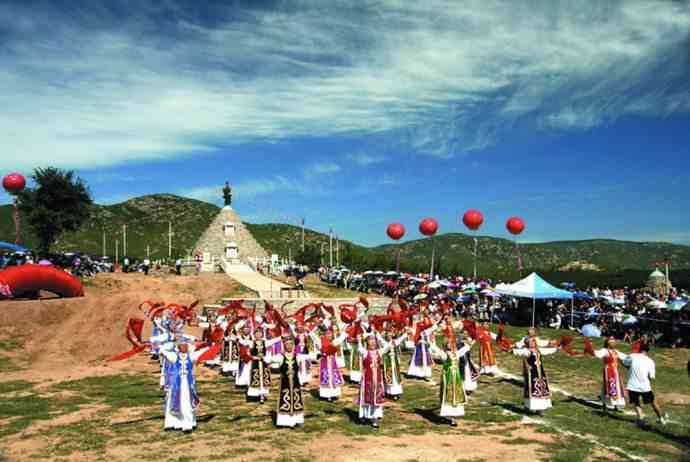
(572, 115)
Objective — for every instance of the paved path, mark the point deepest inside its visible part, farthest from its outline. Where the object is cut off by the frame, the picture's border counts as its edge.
(266, 287)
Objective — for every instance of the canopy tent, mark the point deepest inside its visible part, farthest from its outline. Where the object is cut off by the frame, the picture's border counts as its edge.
(12, 247)
(583, 296)
(536, 288)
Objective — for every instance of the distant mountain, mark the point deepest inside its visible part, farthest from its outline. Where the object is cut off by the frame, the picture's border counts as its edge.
(147, 220)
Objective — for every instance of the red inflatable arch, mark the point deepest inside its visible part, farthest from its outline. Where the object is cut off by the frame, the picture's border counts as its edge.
(32, 278)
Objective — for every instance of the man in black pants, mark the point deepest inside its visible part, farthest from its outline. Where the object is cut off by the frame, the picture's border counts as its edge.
(642, 371)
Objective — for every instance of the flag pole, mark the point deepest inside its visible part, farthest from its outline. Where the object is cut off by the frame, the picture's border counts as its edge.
(302, 235)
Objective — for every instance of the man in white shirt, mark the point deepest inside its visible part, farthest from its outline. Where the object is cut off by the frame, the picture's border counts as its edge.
(642, 371)
(555, 321)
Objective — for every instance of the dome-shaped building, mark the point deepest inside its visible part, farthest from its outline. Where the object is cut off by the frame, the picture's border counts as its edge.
(658, 283)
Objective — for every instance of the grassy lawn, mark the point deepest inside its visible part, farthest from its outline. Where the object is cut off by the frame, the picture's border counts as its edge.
(92, 417)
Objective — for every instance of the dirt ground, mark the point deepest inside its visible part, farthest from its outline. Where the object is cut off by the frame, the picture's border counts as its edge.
(69, 338)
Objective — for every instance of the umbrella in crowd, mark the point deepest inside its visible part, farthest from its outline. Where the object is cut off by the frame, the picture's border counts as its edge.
(582, 296)
(658, 304)
(629, 320)
(591, 330)
(677, 304)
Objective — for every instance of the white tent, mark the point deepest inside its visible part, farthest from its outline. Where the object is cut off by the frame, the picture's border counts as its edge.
(536, 288)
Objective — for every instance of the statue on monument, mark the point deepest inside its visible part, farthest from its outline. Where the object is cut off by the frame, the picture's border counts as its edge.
(227, 194)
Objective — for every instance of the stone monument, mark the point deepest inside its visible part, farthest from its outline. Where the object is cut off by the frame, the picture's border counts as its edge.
(227, 238)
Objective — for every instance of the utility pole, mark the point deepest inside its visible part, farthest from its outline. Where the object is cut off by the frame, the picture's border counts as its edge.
(302, 235)
(148, 251)
(117, 251)
(290, 255)
(170, 236)
(321, 254)
(124, 240)
(330, 247)
(337, 251)
(667, 286)
(104, 250)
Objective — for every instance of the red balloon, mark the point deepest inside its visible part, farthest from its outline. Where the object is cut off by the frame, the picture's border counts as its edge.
(428, 226)
(515, 225)
(395, 231)
(14, 183)
(473, 219)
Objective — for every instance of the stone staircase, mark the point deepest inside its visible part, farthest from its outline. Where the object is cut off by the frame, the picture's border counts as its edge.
(265, 287)
(376, 305)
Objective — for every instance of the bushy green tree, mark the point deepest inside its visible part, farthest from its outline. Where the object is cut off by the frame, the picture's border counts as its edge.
(59, 202)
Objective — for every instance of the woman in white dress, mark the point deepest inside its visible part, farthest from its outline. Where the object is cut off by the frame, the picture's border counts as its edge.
(182, 400)
(421, 362)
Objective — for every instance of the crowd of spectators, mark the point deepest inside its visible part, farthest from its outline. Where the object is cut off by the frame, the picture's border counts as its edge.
(625, 313)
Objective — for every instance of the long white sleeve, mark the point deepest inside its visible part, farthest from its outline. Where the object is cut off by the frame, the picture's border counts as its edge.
(197, 353)
(523, 352)
(436, 351)
(602, 353)
(463, 351)
(548, 351)
(169, 355)
(341, 338)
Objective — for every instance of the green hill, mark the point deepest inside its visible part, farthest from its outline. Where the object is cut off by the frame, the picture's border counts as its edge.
(147, 224)
(146, 218)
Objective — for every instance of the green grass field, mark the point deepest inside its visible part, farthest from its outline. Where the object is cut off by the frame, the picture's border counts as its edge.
(120, 416)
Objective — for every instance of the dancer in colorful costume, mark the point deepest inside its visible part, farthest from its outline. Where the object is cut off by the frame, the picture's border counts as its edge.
(470, 372)
(612, 387)
(330, 376)
(421, 361)
(452, 391)
(244, 368)
(392, 378)
(371, 396)
(231, 350)
(260, 373)
(304, 350)
(290, 408)
(487, 353)
(182, 400)
(537, 394)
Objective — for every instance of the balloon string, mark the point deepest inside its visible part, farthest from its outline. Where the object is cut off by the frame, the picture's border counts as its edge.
(519, 257)
(17, 223)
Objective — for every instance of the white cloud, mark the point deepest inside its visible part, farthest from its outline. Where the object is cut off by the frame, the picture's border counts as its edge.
(450, 78)
(365, 159)
(377, 183)
(324, 168)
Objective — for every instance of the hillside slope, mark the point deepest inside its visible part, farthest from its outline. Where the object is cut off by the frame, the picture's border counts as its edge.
(147, 220)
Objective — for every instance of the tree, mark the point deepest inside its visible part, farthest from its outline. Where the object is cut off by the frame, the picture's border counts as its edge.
(58, 203)
(309, 257)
